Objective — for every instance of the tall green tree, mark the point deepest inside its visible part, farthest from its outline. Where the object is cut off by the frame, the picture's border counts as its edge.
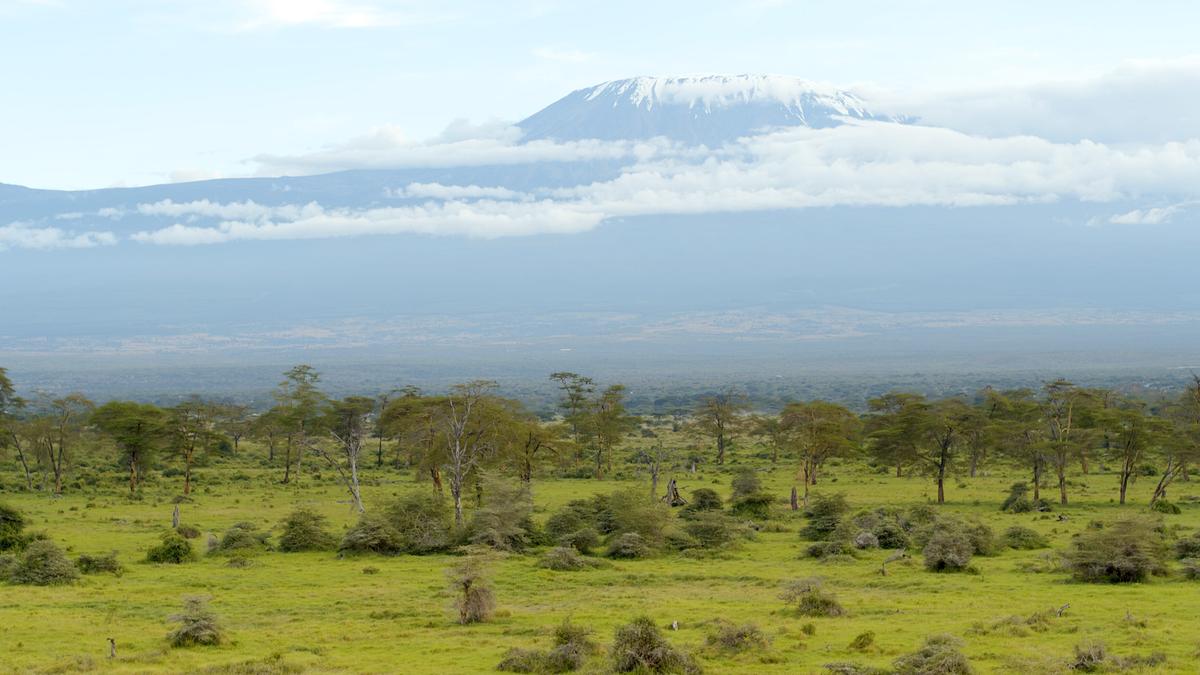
(607, 424)
(1067, 411)
(895, 426)
(721, 417)
(575, 392)
(1019, 432)
(191, 431)
(58, 426)
(11, 426)
(818, 430)
(1133, 435)
(137, 429)
(300, 403)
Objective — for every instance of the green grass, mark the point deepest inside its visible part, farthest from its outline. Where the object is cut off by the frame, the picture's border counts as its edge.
(318, 613)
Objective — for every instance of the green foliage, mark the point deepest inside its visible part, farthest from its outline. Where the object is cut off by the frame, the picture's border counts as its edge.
(572, 646)
(188, 531)
(173, 549)
(701, 500)
(632, 512)
(639, 646)
(304, 530)
(1190, 568)
(566, 559)
(373, 533)
(11, 524)
(756, 506)
(1164, 506)
(939, 655)
(1024, 538)
(242, 538)
(99, 564)
(863, 641)
(1123, 552)
(825, 514)
(198, 625)
(583, 540)
(745, 483)
(417, 523)
(712, 530)
(503, 521)
(42, 563)
(807, 597)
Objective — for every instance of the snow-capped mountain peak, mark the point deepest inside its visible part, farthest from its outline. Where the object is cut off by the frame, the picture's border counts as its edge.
(709, 109)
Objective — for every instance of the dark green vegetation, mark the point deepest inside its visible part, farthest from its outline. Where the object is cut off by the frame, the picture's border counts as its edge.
(459, 532)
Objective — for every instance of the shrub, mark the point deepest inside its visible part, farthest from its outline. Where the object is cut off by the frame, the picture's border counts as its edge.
(575, 516)
(639, 646)
(7, 561)
(242, 538)
(503, 521)
(98, 564)
(982, 538)
(703, 499)
(422, 522)
(11, 524)
(828, 549)
(566, 559)
(1089, 657)
(808, 598)
(517, 660)
(711, 530)
(583, 540)
(42, 563)
(630, 511)
(188, 531)
(173, 550)
(1191, 568)
(1018, 500)
(755, 506)
(473, 596)
(948, 550)
(1164, 506)
(572, 645)
(745, 483)
(734, 638)
(628, 545)
(824, 515)
(198, 625)
(304, 530)
(1125, 551)
(1188, 547)
(865, 539)
(939, 655)
(1024, 538)
(373, 533)
(863, 641)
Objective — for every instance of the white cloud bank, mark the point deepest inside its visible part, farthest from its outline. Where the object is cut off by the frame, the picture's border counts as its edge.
(857, 164)
(26, 236)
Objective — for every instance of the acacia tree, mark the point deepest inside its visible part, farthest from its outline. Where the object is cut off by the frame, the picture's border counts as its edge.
(1182, 447)
(348, 422)
(11, 428)
(894, 425)
(468, 424)
(576, 391)
(191, 431)
(772, 431)
(300, 403)
(1018, 430)
(1064, 412)
(721, 417)
(818, 430)
(946, 423)
(378, 428)
(58, 427)
(413, 420)
(1132, 435)
(234, 420)
(606, 425)
(137, 430)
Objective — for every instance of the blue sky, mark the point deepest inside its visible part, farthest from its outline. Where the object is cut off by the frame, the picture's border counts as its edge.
(108, 92)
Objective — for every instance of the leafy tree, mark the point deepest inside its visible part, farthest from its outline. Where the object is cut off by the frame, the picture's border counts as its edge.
(468, 422)
(1132, 434)
(191, 431)
(1065, 411)
(818, 430)
(1182, 447)
(1018, 430)
(606, 425)
(721, 417)
(894, 426)
(10, 426)
(348, 423)
(60, 426)
(576, 392)
(300, 403)
(138, 431)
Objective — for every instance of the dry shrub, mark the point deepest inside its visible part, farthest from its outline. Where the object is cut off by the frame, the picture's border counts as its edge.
(949, 550)
(628, 545)
(572, 646)
(863, 641)
(639, 646)
(733, 638)
(198, 625)
(939, 655)
(473, 596)
(808, 598)
(564, 559)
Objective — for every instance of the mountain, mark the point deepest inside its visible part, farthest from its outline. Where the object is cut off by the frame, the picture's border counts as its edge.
(701, 109)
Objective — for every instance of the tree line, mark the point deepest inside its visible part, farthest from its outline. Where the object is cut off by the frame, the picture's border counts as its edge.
(454, 438)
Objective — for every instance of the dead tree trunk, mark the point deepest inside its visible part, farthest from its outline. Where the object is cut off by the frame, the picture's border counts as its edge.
(795, 499)
(673, 498)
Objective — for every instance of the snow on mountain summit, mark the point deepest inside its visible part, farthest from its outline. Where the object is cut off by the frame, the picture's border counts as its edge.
(708, 109)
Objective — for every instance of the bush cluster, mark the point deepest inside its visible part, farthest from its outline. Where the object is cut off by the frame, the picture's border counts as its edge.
(42, 563)
(417, 523)
(173, 550)
(639, 646)
(198, 625)
(304, 530)
(940, 655)
(572, 646)
(99, 564)
(807, 597)
(242, 538)
(1123, 552)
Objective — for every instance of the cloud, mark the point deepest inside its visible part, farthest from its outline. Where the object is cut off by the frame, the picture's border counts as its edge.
(563, 55)
(192, 175)
(1150, 216)
(329, 14)
(1146, 101)
(856, 164)
(26, 236)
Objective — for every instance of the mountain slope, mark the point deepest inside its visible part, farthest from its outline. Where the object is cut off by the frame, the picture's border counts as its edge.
(705, 109)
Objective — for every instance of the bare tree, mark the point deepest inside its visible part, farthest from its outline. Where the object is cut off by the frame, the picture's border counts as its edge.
(468, 427)
(348, 423)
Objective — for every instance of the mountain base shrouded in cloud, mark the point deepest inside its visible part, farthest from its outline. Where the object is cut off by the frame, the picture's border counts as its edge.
(697, 214)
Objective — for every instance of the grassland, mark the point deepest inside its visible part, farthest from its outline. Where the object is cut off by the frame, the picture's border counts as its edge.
(314, 612)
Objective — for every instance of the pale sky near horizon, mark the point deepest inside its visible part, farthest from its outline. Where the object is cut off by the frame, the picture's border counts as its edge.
(128, 92)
